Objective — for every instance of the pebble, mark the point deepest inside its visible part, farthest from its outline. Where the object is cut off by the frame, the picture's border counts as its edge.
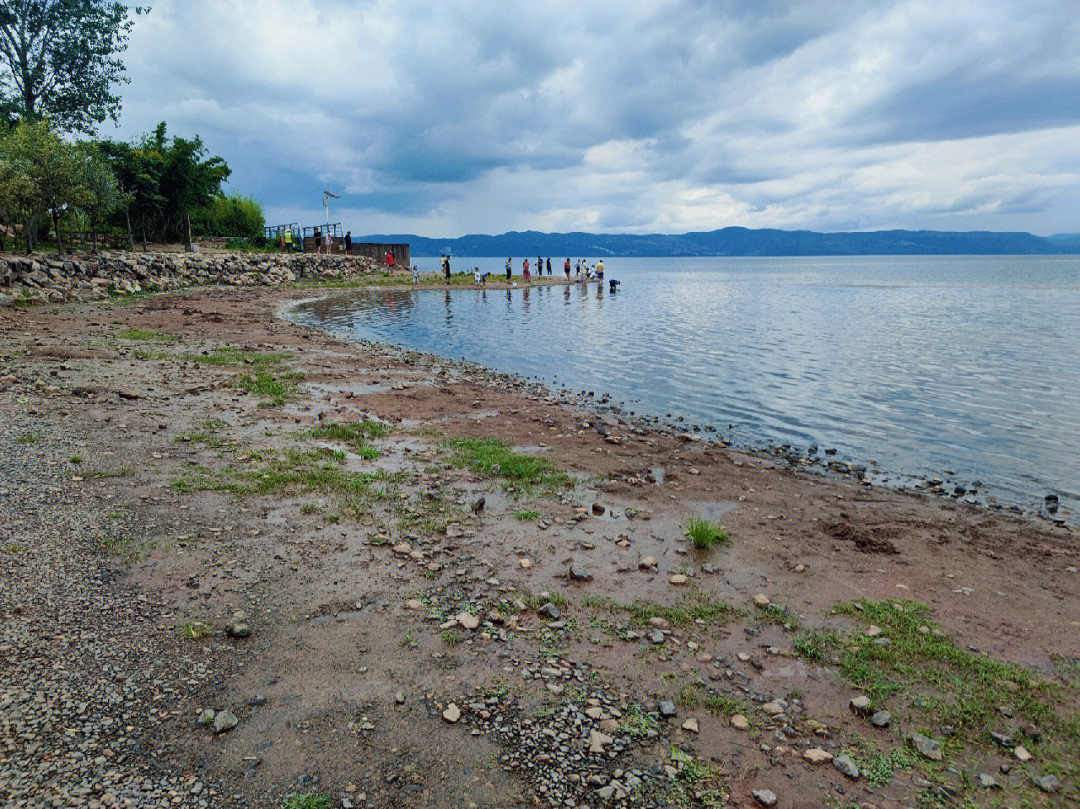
(678, 578)
(927, 746)
(846, 766)
(667, 708)
(762, 600)
(468, 620)
(765, 797)
(816, 755)
(648, 562)
(739, 722)
(1022, 753)
(225, 721)
(881, 719)
(1047, 783)
(452, 713)
(690, 725)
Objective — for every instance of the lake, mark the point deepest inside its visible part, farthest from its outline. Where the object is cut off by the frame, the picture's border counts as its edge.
(965, 368)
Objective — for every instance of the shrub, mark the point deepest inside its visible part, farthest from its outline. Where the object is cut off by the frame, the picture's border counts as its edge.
(704, 533)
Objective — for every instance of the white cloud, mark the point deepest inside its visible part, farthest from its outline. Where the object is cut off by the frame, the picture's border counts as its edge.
(445, 118)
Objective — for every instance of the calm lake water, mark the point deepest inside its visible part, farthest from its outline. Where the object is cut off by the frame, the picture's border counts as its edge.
(926, 365)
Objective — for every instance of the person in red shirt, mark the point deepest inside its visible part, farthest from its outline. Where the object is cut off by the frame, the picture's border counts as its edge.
(525, 271)
(389, 259)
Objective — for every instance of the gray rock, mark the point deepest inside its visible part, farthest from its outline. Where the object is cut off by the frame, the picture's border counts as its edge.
(764, 796)
(549, 610)
(846, 766)
(238, 630)
(655, 636)
(986, 781)
(206, 717)
(881, 719)
(927, 746)
(225, 721)
(1047, 783)
(578, 573)
(667, 708)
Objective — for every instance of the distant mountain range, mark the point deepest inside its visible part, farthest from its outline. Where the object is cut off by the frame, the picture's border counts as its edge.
(741, 242)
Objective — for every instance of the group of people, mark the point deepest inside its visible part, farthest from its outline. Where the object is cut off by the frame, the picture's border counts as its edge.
(583, 271)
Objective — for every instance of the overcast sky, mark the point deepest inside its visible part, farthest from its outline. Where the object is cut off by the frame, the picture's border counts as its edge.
(447, 118)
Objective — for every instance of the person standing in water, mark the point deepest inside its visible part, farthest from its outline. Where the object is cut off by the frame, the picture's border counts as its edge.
(600, 270)
(525, 270)
(446, 268)
(566, 268)
(509, 269)
(549, 265)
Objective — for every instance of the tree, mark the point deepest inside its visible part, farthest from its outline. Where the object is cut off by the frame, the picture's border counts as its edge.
(166, 179)
(60, 59)
(234, 215)
(48, 179)
(99, 193)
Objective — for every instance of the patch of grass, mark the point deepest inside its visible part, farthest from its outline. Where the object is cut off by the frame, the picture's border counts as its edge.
(879, 768)
(196, 630)
(148, 336)
(232, 357)
(117, 545)
(76, 459)
(637, 723)
(306, 801)
(494, 458)
(451, 638)
(119, 472)
(276, 387)
(29, 438)
(944, 683)
(705, 533)
(696, 784)
(15, 548)
(527, 516)
(726, 705)
(776, 614)
(409, 640)
(691, 607)
(355, 434)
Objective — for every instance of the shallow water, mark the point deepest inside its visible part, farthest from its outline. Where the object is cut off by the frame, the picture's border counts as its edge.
(927, 365)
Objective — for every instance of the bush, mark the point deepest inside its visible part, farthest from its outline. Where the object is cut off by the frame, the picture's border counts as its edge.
(704, 533)
(236, 215)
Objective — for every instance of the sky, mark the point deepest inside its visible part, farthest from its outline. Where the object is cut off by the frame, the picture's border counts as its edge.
(450, 118)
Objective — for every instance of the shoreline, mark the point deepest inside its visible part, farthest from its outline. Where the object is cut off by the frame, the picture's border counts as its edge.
(389, 622)
(868, 471)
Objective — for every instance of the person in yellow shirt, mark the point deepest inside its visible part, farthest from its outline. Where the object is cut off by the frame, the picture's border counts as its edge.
(600, 270)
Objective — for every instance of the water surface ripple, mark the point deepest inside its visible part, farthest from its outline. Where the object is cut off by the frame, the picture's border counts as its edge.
(923, 364)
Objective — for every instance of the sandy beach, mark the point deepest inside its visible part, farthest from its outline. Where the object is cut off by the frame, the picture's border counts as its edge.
(243, 560)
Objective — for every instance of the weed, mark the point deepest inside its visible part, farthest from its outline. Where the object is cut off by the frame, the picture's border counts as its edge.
(195, 630)
(705, 533)
(147, 336)
(494, 458)
(451, 638)
(276, 387)
(29, 438)
(306, 801)
(636, 723)
(119, 472)
(776, 614)
(527, 516)
(879, 768)
(76, 459)
(15, 548)
(409, 640)
(232, 357)
(354, 433)
(696, 607)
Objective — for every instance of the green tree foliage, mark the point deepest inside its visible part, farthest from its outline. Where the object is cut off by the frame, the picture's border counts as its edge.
(60, 59)
(165, 179)
(234, 215)
(46, 177)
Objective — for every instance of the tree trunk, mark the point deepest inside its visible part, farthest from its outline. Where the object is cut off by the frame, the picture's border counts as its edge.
(131, 236)
(144, 234)
(56, 227)
(93, 236)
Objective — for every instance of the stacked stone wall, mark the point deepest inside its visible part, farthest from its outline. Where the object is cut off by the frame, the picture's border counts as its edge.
(52, 278)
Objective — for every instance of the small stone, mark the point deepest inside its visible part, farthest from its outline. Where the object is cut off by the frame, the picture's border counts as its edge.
(655, 636)
(414, 604)
(927, 746)
(225, 721)
(881, 719)
(1022, 753)
(816, 755)
(1047, 783)
(452, 713)
(238, 630)
(739, 722)
(772, 708)
(986, 781)
(860, 705)
(524, 564)
(578, 573)
(667, 708)
(845, 765)
(647, 563)
(549, 610)
(873, 631)
(678, 578)
(399, 697)
(764, 796)
(762, 600)
(468, 620)
(206, 717)
(598, 740)
(690, 725)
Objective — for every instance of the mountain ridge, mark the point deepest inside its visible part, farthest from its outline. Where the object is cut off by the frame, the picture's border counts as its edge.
(738, 241)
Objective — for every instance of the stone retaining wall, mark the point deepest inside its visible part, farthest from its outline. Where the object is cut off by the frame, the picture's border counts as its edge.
(52, 278)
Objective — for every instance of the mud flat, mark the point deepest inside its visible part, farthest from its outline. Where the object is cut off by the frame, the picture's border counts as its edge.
(248, 564)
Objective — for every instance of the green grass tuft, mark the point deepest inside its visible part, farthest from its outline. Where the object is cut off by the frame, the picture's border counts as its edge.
(147, 336)
(306, 801)
(494, 458)
(704, 533)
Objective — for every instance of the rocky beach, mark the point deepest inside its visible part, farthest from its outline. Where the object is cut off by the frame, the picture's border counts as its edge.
(248, 564)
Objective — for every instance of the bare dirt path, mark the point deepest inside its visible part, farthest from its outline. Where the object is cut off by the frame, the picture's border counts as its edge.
(191, 531)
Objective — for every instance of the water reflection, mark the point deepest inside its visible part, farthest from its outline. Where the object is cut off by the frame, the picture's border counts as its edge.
(965, 364)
